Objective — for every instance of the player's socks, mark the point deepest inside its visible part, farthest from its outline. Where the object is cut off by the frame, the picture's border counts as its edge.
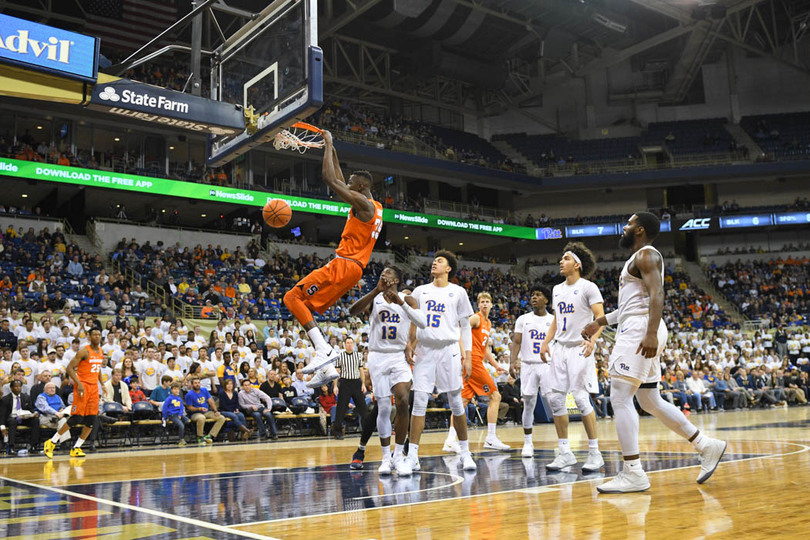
(79, 443)
(451, 435)
(316, 336)
(465, 446)
(593, 444)
(386, 452)
(398, 450)
(413, 450)
(491, 430)
(699, 442)
(633, 464)
(55, 438)
(565, 448)
(361, 447)
(528, 438)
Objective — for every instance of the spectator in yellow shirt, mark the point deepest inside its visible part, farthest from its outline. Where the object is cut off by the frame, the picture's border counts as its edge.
(244, 288)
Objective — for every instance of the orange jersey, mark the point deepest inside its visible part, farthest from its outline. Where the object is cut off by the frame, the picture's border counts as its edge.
(88, 370)
(358, 238)
(481, 336)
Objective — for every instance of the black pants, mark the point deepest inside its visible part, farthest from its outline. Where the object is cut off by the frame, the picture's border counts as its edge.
(349, 389)
(33, 431)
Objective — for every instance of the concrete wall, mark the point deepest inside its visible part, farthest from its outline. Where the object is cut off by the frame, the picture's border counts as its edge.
(110, 233)
(325, 252)
(747, 257)
(769, 241)
(29, 221)
(773, 192)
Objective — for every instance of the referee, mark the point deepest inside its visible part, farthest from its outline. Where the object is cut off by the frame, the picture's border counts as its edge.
(350, 386)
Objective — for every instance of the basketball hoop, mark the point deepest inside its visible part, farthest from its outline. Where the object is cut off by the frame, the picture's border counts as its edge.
(299, 137)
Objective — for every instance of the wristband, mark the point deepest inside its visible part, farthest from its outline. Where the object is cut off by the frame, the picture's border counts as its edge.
(612, 318)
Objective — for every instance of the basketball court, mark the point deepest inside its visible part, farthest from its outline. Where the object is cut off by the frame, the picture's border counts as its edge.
(304, 489)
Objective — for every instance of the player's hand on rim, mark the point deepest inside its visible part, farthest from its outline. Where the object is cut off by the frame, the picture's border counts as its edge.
(327, 137)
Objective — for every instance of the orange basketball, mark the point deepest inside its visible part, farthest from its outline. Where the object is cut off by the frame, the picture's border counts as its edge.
(277, 213)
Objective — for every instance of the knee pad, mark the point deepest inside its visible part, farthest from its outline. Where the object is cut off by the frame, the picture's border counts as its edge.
(649, 399)
(557, 402)
(384, 418)
(420, 401)
(583, 402)
(456, 403)
(75, 420)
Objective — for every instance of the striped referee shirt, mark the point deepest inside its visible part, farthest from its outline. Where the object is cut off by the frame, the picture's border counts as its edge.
(349, 364)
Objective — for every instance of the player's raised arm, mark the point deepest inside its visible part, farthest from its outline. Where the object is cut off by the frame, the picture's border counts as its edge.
(648, 263)
(364, 303)
(333, 177)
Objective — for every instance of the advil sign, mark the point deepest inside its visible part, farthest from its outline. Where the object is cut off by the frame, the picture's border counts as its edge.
(48, 49)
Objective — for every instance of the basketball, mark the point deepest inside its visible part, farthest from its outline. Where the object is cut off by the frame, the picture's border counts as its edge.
(276, 213)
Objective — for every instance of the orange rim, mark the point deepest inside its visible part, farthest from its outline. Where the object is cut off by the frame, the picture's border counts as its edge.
(308, 127)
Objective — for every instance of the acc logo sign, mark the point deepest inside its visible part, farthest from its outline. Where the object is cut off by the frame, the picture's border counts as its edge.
(696, 224)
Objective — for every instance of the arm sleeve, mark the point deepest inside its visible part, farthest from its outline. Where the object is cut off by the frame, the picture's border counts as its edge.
(612, 317)
(466, 333)
(417, 316)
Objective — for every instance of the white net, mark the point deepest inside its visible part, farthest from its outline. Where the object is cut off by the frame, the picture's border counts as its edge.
(297, 139)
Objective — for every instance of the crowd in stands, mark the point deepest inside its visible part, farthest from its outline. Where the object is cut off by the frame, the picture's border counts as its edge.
(152, 357)
(389, 132)
(774, 291)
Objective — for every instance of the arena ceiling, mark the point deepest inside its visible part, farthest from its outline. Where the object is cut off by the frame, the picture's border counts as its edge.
(487, 56)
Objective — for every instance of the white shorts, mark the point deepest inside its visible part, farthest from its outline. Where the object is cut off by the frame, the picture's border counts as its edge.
(387, 370)
(534, 378)
(437, 366)
(625, 362)
(571, 370)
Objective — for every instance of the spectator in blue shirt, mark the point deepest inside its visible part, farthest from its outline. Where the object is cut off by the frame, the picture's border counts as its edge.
(159, 394)
(51, 410)
(174, 412)
(201, 407)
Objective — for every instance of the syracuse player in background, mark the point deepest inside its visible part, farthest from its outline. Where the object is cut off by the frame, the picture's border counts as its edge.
(321, 288)
(480, 382)
(85, 372)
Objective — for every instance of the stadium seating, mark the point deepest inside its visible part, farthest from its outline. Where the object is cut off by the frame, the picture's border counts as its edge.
(780, 136)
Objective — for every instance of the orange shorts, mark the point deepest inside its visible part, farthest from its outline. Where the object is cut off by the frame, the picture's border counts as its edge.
(480, 382)
(87, 405)
(326, 285)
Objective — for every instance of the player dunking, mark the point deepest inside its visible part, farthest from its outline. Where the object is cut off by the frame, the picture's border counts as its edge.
(389, 325)
(531, 330)
(323, 287)
(437, 361)
(576, 302)
(85, 372)
(634, 364)
(480, 382)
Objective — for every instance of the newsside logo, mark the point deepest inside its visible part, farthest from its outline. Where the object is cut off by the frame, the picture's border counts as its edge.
(167, 107)
(247, 197)
(48, 49)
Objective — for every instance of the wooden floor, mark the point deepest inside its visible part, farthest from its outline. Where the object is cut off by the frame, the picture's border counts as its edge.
(304, 489)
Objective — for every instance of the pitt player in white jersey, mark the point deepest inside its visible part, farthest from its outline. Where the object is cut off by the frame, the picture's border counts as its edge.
(634, 364)
(576, 302)
(389, 324)
(531, 330)
(437, 358)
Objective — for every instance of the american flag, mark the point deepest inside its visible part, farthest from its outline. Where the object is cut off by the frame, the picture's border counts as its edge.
(128, 24)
